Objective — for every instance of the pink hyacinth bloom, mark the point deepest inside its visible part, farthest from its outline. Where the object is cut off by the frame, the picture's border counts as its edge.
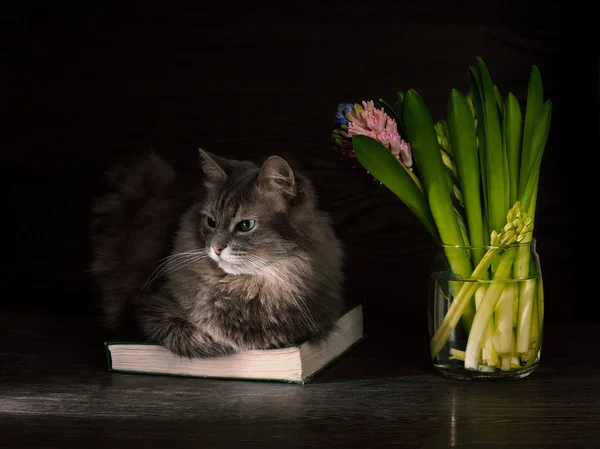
(375, 123)
(406, 154)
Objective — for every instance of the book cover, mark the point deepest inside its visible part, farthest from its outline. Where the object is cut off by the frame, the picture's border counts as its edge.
(294, 364)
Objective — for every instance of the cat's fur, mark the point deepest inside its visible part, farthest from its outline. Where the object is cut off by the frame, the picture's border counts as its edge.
(156, 268)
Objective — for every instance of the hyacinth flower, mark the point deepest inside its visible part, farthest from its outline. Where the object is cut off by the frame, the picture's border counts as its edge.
(378, 147)
(367, 120)
(340, 137)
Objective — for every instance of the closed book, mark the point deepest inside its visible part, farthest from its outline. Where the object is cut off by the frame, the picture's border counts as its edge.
(294, 364)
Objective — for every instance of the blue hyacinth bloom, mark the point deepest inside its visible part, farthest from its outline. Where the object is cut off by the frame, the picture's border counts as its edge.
(340, 115)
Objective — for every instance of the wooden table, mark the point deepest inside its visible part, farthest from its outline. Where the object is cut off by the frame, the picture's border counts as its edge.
(55, 391)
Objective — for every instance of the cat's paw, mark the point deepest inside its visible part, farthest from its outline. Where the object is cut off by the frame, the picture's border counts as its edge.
(186, 340)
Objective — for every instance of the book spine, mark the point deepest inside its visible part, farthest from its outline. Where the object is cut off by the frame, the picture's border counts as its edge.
(108, 356)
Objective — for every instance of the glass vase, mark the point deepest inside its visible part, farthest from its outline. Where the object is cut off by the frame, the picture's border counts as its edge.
(486, 311)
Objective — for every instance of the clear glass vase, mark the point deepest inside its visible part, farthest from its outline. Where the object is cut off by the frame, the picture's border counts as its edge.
(486, 311)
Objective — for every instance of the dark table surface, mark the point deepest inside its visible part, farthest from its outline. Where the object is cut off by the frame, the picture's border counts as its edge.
(56, 392)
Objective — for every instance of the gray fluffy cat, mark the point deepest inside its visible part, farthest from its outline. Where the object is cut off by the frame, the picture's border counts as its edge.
(240, 258)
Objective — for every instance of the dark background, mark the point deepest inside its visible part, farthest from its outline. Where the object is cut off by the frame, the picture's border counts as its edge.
(84, 86)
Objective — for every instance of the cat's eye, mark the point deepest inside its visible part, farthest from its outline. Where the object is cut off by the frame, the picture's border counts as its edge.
(246, 225)
(211, 222)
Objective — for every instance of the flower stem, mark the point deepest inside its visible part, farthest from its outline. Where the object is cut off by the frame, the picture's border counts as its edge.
(504, 321)
(486, 308)
(526, 305)
(537, 321)
(460, 303)
(489, 355)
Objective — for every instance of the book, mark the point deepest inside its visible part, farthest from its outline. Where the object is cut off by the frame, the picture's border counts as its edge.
(292, 364)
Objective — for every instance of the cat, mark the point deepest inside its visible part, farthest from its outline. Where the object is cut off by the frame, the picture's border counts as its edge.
(238, 257)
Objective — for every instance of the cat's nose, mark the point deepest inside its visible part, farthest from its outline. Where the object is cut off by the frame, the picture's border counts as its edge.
(218, 250)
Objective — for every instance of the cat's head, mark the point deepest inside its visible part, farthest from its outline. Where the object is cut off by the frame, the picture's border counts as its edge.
(253, 217)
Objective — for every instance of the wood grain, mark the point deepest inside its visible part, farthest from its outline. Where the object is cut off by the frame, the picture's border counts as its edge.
(55, 392)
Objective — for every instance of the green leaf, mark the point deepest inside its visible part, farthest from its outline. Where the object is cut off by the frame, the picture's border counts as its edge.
(499, 101)
(477, 94)
(538, 144)
(399, 108)
(535, 98)
(421, 134)
(389, 109)
(497, 203)
(400, 101)
(513, 131)
(461, 128)
(378, 161)
(501, 114)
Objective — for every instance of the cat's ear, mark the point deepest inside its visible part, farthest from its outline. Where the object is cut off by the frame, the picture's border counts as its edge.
(276, 175)
(215, 168)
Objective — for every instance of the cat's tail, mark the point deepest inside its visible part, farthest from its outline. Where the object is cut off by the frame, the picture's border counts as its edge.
(123, 245)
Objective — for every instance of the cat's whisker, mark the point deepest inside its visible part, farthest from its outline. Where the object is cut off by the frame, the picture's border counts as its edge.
(182, 264)
(164, 270)
(174, 262)
(173, 256)
(159, 270)
(164, 262)
(153, 276)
